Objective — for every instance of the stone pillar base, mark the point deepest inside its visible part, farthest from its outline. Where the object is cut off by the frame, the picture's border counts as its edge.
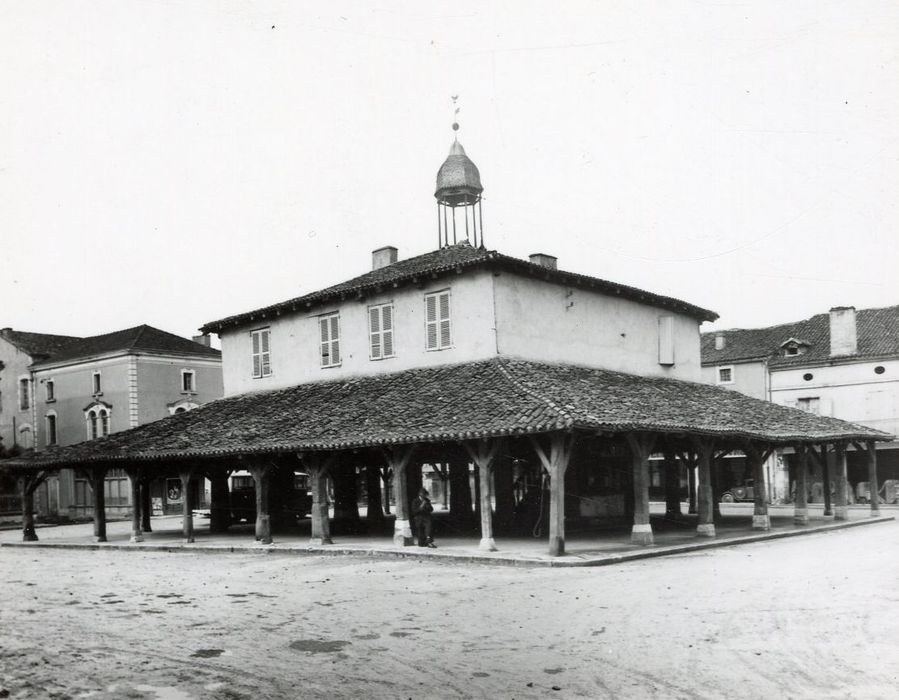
(487, 544)
(875, 513)
(841, 513)
(29, 536)
(189, 540)
(402, 534)
(99, 538)
(641, 533)
(761, 522)
(705, 529)
(320, 540)
(800, 516)
(137, 537)
(556, 546)
(264, 541)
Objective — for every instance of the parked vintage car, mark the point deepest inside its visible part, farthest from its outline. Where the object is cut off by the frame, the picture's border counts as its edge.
(735, 494)
(297, 504)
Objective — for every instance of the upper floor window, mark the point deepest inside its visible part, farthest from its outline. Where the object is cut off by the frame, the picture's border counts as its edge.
(437, 320)
(97, 423)
(380, 331)
(24, 394)
(51, 428)
(811, 404)
(97, 384)
(666, 340)
(50, 388)
(188, 381)
(262, 354)
(725, 375)
(329, 329)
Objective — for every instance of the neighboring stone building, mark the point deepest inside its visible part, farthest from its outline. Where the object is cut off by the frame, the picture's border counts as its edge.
(843, 364)
(18, 351)
(92, 387)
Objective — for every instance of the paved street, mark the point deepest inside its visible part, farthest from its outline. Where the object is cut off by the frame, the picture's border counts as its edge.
(815, 617)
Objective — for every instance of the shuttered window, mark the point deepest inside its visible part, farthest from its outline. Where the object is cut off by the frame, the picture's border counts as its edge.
(437, 320)
(329, 327)
(262, 355)
(380, 331)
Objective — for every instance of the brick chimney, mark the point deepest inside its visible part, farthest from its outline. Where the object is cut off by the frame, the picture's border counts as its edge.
(382, 257)
(843, 339)
(544, 260)
(720, 341)
(204, 339)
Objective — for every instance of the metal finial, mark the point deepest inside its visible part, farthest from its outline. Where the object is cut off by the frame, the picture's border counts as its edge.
(455, 112)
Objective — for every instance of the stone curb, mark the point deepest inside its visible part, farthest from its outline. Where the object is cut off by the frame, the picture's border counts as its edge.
(496, 559)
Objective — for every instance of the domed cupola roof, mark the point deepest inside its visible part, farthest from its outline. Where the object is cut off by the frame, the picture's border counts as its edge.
(458, 180)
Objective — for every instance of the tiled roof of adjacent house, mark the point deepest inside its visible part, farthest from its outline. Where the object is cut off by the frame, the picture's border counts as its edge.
(877, 331)
(37, 345)
(496, 397)
(453, 258)
(138, 339)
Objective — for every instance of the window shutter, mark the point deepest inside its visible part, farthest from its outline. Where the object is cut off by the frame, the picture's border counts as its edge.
(445, 340)
(387, 325)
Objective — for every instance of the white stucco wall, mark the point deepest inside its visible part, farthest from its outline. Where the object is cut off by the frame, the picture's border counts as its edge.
(750, 378)
(848, 390)
(295, 341)
(546, 322)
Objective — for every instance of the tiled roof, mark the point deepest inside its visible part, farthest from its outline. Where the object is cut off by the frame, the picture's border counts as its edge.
(493, 397)
(138, 339)
(461, 256)
(37, 344)
(877, 331)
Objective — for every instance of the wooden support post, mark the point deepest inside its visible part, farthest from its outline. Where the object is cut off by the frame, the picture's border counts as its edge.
(825, 478)
(872, 478)
(261, 470)
(134, 477)
(185, 473)
(706, 526)
(672, 485)
(556, 463)
(96, 476)
(146, 504)
(398, 459)
(841, 509)
(318, 467)
(483, 454)
(28, 483)
(641, 447)
(800, 500)
(689, 461)
(757, 457)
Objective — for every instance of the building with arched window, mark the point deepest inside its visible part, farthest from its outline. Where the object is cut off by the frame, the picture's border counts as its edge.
(89, 388)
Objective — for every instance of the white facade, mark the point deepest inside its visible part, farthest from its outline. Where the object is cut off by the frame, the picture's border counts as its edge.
(491, 313)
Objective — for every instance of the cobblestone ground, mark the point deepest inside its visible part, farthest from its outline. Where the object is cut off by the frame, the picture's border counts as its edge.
(813, 617)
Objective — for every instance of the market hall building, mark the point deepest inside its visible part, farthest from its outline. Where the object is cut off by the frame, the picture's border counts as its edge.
(548, 382)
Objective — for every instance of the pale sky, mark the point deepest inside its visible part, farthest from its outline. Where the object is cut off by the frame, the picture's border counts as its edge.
(172, 163)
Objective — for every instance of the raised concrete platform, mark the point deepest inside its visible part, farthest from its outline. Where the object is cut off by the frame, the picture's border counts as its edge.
(583, 548)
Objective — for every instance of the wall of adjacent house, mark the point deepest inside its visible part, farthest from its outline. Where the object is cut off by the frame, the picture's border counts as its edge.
(750, 378)
(548, 322)
(852, 391)
(159, 387)
(296, 347)
(15, 424)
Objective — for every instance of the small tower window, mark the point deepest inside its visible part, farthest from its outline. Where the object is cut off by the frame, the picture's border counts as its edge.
(188, 381)
(726, 375)
(51, 390)
(97, 384)
(51, 429)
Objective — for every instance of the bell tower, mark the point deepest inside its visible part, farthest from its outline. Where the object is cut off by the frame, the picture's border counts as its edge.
(459, 187)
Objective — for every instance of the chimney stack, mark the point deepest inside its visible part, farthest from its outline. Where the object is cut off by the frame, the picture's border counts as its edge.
(204, 339)
(843, 338)
(382, 257)
(544, 260)
(720, 341)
